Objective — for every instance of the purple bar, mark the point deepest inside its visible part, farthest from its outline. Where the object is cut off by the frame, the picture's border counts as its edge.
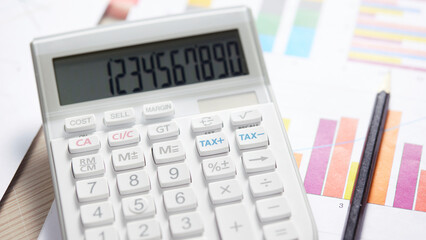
(320, 155)
(407, 177)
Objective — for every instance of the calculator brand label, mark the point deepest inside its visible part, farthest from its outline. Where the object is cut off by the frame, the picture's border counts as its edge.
(211, 142)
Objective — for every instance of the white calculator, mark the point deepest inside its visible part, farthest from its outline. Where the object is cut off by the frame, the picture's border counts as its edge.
(168, 129)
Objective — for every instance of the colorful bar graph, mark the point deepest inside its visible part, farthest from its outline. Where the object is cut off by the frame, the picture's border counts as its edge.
(320, 155)
(383, 37)
(351, 180)
(268, 22)
(407, 177)
(421, 193)
(304, 28)
(298, 157)
(379, 186)
(342, 152)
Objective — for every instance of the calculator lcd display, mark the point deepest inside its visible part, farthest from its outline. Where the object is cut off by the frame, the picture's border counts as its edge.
(148, 67)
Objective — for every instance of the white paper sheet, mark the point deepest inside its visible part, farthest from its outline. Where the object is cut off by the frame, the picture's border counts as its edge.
(20, 23)
(51, 229)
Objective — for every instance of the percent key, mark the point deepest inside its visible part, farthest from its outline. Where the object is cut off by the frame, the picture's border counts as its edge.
(218, 168)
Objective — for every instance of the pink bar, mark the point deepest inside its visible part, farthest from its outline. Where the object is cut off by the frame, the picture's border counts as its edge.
(320, 155)
(407, 177)
(383, 47)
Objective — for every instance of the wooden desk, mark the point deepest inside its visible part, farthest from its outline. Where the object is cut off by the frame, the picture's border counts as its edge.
(27, 201)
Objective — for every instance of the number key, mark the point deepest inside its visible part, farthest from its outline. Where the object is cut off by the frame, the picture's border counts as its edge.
(180, 199)
(186, 225)
(173, 175)
(144, 230)
(92, 189)
(101, 233)
(138, 207)
(133, 182)
(97, 214)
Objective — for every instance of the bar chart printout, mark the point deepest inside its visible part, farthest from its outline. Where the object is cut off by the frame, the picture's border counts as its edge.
(391, 33)
(268, 22)
(304, 27)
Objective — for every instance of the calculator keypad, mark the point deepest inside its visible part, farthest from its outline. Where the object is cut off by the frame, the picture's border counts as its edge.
(225, 191)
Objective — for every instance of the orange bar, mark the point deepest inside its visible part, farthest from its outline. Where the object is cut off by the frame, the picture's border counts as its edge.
(338, 170)
(421, 193)
(379, 186)
(298, 157)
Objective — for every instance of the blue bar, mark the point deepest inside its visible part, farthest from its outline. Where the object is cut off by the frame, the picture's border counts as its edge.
(300, 41)
(267, 42)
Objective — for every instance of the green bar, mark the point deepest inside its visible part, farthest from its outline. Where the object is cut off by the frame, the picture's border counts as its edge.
(306, 18)
(267, 24)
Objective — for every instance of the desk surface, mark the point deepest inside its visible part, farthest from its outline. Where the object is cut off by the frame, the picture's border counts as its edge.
(27, 201)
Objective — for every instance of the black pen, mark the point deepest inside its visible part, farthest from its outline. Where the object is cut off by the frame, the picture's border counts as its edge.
(368, 162)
